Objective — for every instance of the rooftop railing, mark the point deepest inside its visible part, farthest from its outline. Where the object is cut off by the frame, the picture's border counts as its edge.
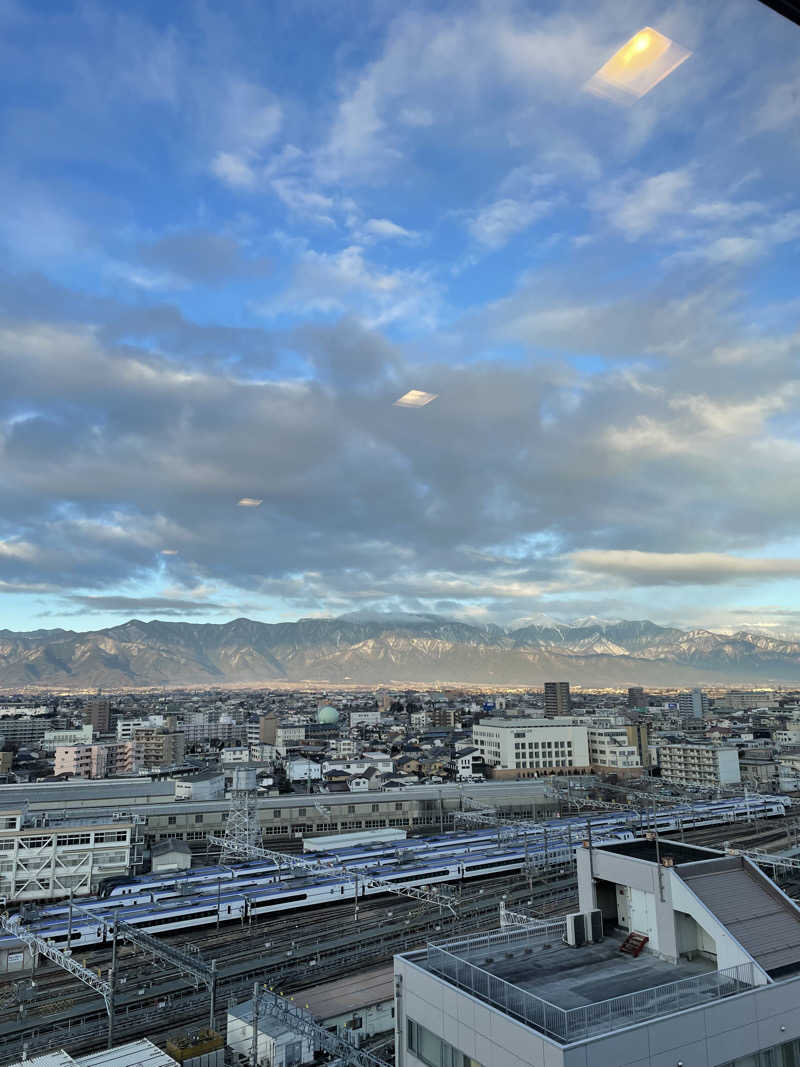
(574, 1024)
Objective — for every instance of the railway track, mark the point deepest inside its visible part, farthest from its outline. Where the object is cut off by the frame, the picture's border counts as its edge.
(290, 957)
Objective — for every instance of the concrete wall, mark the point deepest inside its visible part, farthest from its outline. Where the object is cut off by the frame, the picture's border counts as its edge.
(706, 1036)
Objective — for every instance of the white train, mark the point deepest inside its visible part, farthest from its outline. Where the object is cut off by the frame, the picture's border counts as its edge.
(160, 905)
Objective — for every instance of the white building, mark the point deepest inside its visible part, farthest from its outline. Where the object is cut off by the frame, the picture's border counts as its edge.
(609, 747)
(47, 861)
(127, 727)
(677, 957)
(694, 703)
(207, 785)
(532, 746)
(699, 764)
(277, 1045)
(289, 735)
(74, 735)
(299, 770)
(365, 717)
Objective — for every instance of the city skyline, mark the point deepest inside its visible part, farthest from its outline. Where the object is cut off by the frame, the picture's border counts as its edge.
(311, 311)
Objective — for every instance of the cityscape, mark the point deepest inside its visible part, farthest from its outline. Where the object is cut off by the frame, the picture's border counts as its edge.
(399, 541)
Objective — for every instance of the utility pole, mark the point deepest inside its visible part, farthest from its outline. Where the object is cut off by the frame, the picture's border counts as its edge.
(112, 980)
(254, 1044)
(213, 991)
(69, 925)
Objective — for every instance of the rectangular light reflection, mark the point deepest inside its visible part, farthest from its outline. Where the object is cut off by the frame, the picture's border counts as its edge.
(642, 62)
(415, 398)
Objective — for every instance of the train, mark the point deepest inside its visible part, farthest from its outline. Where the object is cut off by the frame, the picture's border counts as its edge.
(226, 893)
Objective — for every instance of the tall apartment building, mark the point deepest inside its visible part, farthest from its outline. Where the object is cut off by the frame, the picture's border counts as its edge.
(703, 765)
(154, 747)
(557, 700)
(714, 982)
(694, 703)
(97, 714)
(636, 697)
(525, 748)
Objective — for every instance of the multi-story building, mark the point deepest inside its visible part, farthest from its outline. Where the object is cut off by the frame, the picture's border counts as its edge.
(745, 699)
(155, 747)
(693, 703)
(44, 858)
(677, 956)
(557, 700)
(21, 730)
(76, 735)
(289, 736)
(365, 717)
(610, 749)
(526, 748)
(703, 765)
(97, 714)
(636, 697)
(96, 761)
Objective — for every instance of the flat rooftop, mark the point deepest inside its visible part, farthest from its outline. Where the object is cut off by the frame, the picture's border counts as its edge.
(573, 993)
(575, 977)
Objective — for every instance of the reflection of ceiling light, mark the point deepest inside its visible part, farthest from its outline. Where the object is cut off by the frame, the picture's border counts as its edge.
(642, 62)
(415, 398)
(249, 502)
(169, 551)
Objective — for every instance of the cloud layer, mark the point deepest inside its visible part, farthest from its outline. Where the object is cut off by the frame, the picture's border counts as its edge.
(216, 288)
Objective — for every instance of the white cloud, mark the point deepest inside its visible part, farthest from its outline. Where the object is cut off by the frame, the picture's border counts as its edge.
(640, 210)
(496, 224)
(387, 228)
(234, 170)
(681, 568)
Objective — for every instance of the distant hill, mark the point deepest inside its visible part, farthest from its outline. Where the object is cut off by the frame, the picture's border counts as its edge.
(373, 649)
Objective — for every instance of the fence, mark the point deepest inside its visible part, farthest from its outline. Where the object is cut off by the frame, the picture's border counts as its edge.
(572, 1024)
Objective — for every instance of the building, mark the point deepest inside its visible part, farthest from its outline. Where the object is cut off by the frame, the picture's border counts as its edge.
(207, 785)
(365, 717)
(95, 761)
(97, 714)
(158, 747)
(289, 736)
(142, 1053)
(678, 956)
(703, 765)
(636, 697)
(47, 858)
(357, 1006)
(76, 735)
(21, 730)
(526, 748)
(694, 703)
(557, 700)
(276, 1044)
(170, 855)
(610, 750)
(746, 699)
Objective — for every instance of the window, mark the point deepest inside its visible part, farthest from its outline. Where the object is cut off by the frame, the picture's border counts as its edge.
(432, 1050)
(198, 818)
(301, 811)
(376, 807)
(276, 814)
(351, 809)
(171, 820)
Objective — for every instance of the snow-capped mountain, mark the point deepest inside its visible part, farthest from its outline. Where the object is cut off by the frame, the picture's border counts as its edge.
(370, 648)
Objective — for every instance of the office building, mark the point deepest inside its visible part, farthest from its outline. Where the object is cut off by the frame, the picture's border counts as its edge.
(703, 765)
(526, 748)
(636, 697)
(611, 749)
(678, 957)
(694, 703)
(22, 731)
(557, 699)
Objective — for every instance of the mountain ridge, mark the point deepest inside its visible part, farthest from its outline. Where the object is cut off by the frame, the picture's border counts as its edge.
(364, 648)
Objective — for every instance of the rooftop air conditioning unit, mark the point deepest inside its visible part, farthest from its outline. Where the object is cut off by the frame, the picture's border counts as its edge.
(576, 932)
(595, 924)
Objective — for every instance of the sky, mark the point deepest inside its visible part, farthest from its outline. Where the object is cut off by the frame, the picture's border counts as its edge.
(233, 235)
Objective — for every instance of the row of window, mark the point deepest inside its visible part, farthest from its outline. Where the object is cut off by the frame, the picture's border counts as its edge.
(434, 1052)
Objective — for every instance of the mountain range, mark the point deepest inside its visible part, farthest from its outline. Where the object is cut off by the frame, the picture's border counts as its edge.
(372, 648)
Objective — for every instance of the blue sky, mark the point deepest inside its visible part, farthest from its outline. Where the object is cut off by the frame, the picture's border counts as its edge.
(233, 235)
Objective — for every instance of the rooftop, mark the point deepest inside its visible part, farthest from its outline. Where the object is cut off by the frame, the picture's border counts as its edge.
(574, 993)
